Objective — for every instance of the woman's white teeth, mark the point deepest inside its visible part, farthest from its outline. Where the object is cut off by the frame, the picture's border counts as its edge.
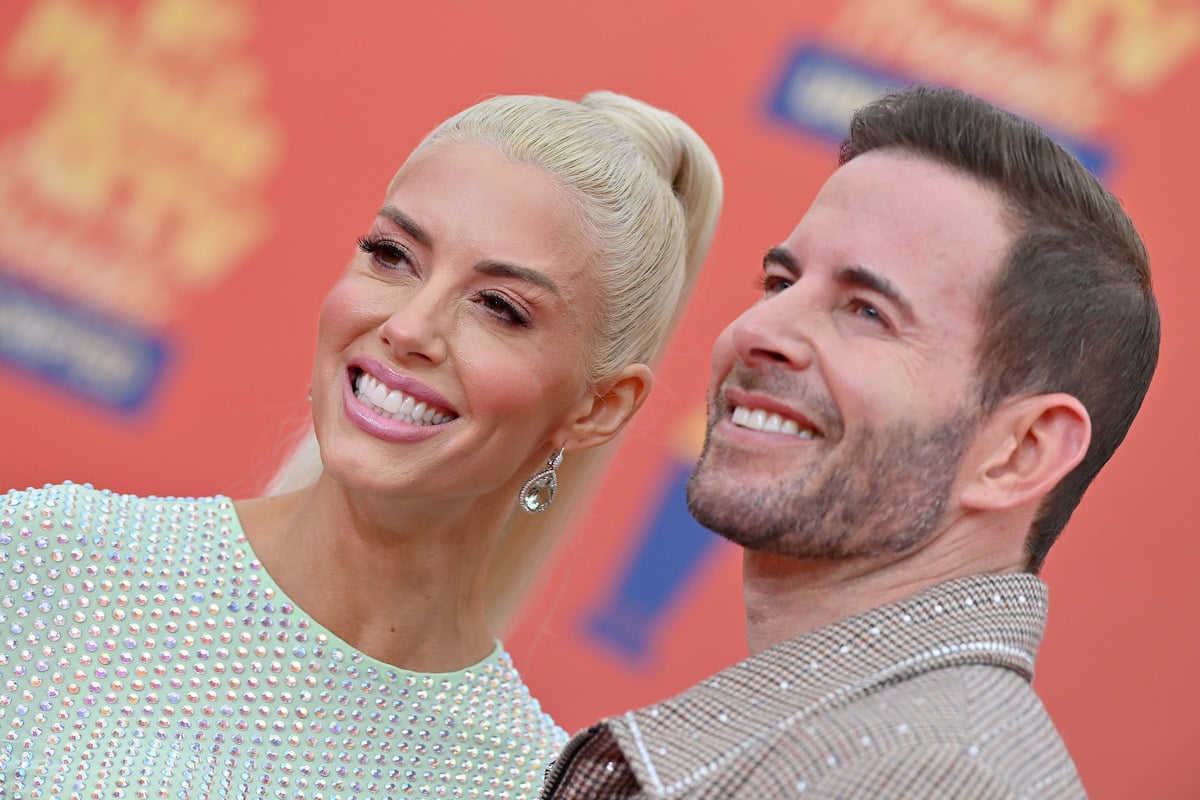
(396, 404)
(758, 420)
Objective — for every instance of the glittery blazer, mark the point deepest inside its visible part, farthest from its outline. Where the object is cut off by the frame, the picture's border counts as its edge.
(929, 697)
(147, 653)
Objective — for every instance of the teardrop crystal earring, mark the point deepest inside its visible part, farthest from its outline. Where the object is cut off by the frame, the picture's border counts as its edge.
(538, 492)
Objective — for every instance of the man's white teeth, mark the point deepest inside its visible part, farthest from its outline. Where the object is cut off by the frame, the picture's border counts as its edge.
(395, 403)
(758, 420)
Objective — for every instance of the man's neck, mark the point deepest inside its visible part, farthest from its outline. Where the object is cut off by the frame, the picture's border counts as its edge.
(787, 597)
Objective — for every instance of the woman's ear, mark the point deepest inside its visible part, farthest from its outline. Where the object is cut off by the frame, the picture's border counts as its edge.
(1023, 449)
(601, 415)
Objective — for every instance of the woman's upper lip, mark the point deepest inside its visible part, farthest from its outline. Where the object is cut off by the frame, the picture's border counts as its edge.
(403, 383)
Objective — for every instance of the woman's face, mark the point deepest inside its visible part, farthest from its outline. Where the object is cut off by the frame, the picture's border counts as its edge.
(450, 354)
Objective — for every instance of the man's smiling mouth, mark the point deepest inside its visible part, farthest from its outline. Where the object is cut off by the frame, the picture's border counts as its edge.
(756, 419)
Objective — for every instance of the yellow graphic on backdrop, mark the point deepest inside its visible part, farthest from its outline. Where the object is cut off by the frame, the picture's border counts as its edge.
(1067, 63)
(140, 178)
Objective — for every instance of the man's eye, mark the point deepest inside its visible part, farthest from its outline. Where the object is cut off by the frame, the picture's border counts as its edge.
(773, 284)
(870, 312)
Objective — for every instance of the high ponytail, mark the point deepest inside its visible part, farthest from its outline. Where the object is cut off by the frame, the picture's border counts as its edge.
(682, 158)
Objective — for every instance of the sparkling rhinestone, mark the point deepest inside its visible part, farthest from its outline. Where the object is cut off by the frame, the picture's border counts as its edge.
(148, 654)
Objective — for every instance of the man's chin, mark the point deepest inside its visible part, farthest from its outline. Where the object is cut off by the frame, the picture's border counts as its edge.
(713, 503)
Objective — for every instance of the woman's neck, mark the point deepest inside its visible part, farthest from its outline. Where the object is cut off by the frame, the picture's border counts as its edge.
(406, 588)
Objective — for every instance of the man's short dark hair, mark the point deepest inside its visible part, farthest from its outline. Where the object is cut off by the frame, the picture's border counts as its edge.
(1071, 308)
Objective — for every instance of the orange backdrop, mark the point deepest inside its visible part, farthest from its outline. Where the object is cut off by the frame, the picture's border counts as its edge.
(181, 180)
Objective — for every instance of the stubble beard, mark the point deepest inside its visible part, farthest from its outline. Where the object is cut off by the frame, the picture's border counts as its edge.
(886, 493)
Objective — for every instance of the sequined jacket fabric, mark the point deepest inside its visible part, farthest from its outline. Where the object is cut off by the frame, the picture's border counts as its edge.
(925, 698)
(146, 654)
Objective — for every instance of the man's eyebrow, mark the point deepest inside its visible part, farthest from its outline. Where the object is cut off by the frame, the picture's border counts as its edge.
(407, 224)
(502, 269)
(782, 257)
(861, 276)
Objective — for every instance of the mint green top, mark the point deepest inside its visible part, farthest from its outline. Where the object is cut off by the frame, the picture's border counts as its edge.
(147, 653)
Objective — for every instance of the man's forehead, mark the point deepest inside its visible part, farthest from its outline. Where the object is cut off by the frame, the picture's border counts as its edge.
(894, 202)
(933, 236)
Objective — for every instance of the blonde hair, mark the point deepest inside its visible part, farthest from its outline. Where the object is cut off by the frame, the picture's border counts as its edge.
(648, 192)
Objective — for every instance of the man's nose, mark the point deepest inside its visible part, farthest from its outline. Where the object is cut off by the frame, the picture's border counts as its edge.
(776, 330)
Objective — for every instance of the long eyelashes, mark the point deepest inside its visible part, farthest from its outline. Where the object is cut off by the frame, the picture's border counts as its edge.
(392, 255)
(497, 304)
(385, 252)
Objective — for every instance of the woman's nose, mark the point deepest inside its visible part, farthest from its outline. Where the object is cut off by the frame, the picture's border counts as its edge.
(416, 328)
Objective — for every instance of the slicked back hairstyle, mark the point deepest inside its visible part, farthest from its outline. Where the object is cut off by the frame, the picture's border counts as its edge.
(647, 192)
(1071, 308)
(646, 196)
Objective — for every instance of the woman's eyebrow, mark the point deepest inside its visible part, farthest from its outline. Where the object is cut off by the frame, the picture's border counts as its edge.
(502, 269)
(407, 224)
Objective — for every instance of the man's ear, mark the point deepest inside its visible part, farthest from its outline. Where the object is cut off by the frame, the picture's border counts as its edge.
(601, 415)
(1023, 449)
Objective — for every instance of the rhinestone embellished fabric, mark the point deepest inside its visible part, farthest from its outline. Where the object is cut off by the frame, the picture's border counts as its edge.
(147, 654)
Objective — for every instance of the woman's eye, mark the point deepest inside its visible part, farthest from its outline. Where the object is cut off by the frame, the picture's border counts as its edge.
(385, 252)
(500, 306)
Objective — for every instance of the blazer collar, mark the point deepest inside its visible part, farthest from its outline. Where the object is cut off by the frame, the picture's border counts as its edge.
(997, 620)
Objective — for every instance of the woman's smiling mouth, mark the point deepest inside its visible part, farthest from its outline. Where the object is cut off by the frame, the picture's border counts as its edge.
(395, 404)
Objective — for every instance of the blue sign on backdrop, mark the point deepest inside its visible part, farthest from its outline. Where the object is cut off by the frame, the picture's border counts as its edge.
(670, 550)
(87, 354)
(820, 89)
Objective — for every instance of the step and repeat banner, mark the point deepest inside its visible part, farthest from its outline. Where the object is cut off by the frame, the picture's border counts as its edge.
(181, 181)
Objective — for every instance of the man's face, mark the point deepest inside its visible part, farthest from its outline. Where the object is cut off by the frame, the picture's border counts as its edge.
(842, 402)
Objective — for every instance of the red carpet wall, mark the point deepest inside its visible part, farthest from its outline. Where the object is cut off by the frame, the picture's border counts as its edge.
(181, 180)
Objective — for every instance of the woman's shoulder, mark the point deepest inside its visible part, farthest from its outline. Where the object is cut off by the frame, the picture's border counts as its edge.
(500, 676)
(66, 506)
(69, 491)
